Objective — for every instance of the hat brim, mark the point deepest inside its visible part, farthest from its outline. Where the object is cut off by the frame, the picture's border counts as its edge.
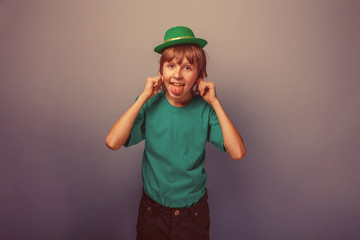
(198, 41)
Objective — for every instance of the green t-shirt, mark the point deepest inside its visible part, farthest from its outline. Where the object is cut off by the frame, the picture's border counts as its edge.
(175, 137)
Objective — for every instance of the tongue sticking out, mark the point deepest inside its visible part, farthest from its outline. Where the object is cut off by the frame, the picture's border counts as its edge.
(177, 90)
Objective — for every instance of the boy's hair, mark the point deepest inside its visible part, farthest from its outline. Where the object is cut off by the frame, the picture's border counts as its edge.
(193, 53)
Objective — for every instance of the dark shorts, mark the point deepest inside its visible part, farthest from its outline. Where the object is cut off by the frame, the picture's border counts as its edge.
(157, 222)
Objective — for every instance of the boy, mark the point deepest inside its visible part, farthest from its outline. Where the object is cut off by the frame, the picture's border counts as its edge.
(176, 124)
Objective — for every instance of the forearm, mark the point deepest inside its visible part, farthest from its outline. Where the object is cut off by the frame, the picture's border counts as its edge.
(120, 131)
(233, 142)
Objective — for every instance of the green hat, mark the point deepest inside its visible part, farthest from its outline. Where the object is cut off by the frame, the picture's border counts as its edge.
(179, 35)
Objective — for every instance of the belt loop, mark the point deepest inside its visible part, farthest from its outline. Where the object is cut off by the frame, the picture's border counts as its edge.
(192, 212)
(156, 208)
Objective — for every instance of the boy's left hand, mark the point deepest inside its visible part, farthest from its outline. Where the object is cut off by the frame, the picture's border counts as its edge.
(207, 90)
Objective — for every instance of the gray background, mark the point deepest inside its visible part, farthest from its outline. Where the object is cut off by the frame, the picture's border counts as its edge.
(286, 72)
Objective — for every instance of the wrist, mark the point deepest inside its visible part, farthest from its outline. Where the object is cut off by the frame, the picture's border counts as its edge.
(214, 103)
(143, 98)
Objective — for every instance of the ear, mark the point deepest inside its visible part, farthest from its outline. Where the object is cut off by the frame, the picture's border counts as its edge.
(159, 74)
(198, 81)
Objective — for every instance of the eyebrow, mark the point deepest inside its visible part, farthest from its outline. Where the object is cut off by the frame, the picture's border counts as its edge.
(183, 62)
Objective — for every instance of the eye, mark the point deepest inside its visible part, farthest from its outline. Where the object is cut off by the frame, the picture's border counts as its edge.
(171, 65)
(188, 68)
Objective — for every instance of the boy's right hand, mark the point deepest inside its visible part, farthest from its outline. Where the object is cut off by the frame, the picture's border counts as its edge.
(152, 86)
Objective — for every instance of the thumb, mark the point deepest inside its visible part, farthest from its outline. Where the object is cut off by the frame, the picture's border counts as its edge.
(200, 85)
(198, 81)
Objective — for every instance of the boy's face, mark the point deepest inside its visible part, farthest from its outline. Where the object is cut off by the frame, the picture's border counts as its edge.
(179, 77)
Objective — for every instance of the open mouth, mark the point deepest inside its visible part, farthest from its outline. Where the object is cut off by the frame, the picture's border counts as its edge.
(177, 84)
(177, 88)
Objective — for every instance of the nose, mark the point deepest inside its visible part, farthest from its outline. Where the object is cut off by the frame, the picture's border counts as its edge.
(177, 73)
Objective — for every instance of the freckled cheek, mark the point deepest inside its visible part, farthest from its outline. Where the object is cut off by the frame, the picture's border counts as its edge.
(190, 78)
(166, 74)
(166, 77)
(166, 80)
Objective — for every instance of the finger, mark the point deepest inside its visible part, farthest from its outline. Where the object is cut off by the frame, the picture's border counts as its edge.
(206, 90)
(158, 79)
(198, 81)
(158, 82)
(209, 85)
(204, 87)
(156, 86)
(153, 82)
(149, 82)
(200, 87)
(212, 88)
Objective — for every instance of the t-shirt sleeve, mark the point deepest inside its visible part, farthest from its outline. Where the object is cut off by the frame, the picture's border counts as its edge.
(137, 133)
(215, 135)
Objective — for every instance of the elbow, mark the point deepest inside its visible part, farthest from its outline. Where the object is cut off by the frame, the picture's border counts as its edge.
(111, 145)
(238, 155)
(236, 151)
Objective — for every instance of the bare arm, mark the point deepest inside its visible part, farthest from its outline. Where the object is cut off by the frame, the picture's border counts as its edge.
(233, 142)
(120, 131)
